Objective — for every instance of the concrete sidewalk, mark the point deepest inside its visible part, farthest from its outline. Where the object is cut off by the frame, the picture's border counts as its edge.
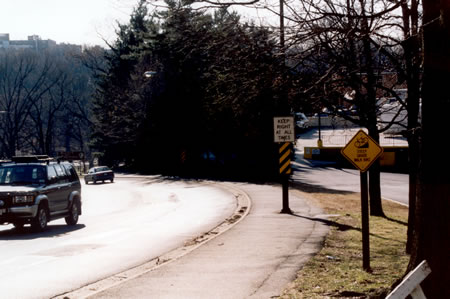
(256, 258)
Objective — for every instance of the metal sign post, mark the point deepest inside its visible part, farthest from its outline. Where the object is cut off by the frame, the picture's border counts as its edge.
(362, 151)
(284, 128)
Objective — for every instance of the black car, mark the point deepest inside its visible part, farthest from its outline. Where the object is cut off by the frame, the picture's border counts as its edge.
(36, 189)
(99, 173)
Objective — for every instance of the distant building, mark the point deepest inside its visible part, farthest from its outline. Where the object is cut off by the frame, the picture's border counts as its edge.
(4, 40)
(33, 42)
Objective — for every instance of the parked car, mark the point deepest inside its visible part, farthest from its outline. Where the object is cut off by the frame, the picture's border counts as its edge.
(36, 189)
(99, 173)
(301, 121)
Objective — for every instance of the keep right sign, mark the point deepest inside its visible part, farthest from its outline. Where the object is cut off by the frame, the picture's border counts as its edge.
(362, 151)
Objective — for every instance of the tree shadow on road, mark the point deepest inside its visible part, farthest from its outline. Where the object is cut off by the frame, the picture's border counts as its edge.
(309, 188)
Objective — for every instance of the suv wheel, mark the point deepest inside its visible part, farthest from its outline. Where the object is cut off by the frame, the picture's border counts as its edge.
(72, 219)
(39, 223)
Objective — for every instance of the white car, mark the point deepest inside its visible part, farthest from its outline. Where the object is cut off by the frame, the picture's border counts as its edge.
(301, 121)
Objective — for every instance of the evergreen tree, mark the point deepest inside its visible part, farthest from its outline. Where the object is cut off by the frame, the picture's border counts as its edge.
(209, 101)
(215, 91)
(117, 109)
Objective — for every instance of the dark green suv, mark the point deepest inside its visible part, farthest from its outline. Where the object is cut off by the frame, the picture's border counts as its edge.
(36, 189)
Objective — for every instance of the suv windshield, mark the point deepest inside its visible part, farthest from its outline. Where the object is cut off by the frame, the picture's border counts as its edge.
(22, 175)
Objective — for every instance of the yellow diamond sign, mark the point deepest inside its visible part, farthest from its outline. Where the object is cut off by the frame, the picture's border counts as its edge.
(362, 151)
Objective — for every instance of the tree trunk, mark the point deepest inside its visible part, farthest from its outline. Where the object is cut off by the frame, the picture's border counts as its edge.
(376, 208)
(431, 237)
(413, 159)
(412, 57)
(411, 48)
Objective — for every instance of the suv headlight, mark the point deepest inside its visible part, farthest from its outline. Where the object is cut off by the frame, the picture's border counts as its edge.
(23, 199)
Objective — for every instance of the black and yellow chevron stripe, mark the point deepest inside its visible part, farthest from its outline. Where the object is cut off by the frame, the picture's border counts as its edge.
(285, 154)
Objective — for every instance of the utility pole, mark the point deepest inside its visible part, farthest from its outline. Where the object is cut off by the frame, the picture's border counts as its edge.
(282, 27)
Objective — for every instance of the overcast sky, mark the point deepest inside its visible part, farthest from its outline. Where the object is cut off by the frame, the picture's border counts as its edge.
(64, 21)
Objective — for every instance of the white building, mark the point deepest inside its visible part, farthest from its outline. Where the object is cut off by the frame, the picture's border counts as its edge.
(33, 42)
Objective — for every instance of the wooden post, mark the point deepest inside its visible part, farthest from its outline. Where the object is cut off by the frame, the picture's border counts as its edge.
(285, 187)
(285, 152)
(365, 221)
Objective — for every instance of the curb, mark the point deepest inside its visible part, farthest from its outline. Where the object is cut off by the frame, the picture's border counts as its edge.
(243, 207)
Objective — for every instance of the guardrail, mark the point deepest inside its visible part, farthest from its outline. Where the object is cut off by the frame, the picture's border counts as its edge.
(343, 139)
(411, 283)
(330, 121)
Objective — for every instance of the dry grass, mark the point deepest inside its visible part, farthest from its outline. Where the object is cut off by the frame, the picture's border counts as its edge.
(336, 271)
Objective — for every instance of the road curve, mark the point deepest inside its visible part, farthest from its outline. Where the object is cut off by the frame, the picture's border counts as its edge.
(123, 225)
(255, 259)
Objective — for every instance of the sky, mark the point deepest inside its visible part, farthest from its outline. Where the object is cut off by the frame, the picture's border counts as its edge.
(81, 22)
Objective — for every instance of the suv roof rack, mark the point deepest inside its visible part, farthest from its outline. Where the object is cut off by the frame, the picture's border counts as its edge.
(31, 159)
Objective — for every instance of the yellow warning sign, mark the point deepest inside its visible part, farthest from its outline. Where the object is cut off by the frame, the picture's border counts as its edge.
(362, 151)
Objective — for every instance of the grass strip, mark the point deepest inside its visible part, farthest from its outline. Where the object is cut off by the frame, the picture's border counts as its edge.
(336, 271)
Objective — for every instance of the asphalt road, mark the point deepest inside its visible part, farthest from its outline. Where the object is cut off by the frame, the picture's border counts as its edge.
(124, 224)
(394, 186)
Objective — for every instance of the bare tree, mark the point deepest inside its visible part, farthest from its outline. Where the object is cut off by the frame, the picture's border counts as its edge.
(24, 80)
(345, 50)
(44, 115)
(41, 95)
(412, 49)
(341, 51)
